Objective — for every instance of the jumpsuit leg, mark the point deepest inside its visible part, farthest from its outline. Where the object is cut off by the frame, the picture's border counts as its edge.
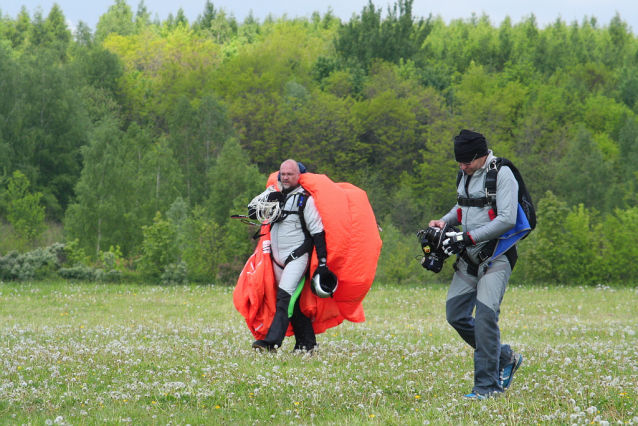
(305, 339)
(288, 279)
(485, 293)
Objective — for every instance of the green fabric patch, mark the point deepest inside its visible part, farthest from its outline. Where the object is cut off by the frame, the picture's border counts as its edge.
(295, 296)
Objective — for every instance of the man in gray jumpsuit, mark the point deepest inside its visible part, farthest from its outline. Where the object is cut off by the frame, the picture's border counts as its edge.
(480, 281)
(293, 235)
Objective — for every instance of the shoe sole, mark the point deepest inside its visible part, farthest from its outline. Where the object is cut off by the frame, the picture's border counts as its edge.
(514, 370)
(264, 349)
(475, 397)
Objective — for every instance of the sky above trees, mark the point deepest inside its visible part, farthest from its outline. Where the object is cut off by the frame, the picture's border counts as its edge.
(546, 11)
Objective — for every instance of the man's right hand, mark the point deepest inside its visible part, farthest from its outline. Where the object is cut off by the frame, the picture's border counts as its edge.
(276, 196)
(438, 223)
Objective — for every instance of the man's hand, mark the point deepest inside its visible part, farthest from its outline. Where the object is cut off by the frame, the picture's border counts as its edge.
(437, 223)
(276, 196)
(322, 270)
(456, 242)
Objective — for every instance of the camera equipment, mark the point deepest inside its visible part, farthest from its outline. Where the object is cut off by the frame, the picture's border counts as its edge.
(432, 244)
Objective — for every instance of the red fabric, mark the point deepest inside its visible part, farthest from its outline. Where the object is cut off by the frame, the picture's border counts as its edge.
(492, 214)
(354, 245)
(255, 295)
(459, 215)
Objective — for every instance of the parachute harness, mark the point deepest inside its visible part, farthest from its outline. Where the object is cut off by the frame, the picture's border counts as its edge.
(264, 209)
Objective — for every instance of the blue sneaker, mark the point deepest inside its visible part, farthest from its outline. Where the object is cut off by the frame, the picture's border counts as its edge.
(507, 374)
(476, 396)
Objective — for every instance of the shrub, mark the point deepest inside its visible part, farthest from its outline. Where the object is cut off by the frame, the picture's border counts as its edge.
(175, 273)
(37, 264)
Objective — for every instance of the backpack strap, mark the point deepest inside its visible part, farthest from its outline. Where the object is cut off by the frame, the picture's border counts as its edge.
(306, 246)
(490, 188)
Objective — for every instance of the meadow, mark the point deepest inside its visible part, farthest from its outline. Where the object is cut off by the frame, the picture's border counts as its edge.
(95, 354)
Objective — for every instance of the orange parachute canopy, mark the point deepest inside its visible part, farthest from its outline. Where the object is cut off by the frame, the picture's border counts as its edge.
(353, 243)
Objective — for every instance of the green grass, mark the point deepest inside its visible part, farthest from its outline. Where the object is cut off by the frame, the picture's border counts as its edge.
(88, 354)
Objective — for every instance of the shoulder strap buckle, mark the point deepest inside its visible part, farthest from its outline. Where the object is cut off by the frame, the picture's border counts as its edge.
(490, 180)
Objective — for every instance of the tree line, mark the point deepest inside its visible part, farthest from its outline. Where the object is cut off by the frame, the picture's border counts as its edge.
(139, 138)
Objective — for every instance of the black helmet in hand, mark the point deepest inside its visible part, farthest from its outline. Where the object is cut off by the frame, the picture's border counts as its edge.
(324, 282)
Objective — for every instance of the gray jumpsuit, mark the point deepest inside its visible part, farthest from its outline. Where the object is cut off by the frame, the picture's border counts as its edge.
(286, 235)
(485, 291)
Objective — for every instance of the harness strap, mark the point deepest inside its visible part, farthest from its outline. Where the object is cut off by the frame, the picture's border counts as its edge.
(473, 202)
(483, 255)
(306, 246)
(490, 188)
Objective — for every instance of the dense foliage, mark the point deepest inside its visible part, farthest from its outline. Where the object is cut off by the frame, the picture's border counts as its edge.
(147, 135)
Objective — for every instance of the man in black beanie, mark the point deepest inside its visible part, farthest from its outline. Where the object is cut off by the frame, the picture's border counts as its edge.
(480, 279)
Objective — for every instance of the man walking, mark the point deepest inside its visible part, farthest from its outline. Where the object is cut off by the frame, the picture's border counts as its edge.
(480, 280)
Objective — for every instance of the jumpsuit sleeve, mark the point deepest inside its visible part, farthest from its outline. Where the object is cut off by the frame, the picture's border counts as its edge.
(451, 218)
(312, 217)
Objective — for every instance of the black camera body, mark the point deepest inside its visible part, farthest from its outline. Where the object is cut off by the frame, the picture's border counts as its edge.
(432, 245)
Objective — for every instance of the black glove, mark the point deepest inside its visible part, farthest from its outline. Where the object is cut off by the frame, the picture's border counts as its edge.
(322, 270)
(252, 213)
(276, 196)
(456, 242)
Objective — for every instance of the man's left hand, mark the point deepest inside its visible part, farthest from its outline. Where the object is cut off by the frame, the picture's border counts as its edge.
(456, 242)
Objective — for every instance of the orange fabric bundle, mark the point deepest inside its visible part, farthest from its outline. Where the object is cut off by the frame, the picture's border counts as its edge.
(354, 245)
(255, 295)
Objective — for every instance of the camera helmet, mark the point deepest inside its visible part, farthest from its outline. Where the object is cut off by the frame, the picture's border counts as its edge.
(324, 285)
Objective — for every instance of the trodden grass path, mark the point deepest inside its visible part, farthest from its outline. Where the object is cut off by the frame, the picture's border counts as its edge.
(88, 354)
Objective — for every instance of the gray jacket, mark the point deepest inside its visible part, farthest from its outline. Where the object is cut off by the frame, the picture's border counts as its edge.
(476, 220)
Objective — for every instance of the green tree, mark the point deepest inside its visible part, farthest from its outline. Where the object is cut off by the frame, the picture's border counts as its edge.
(118, 19)
(205, 20)
(620, 252)
(159, 248)
(203, 245)
(97, 218)
(367, 37)
(197, 134)
(231, 176)
(56, 28)
(584, 175)
(627, 160)
(45, 126)
(159, 180)
(543, 252)
(582, 260)
(142, 16)
(24, 210)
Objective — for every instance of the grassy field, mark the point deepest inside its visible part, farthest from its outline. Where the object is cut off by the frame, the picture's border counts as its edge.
(83, 354)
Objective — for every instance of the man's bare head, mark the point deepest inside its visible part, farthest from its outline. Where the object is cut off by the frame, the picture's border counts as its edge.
(289, 174)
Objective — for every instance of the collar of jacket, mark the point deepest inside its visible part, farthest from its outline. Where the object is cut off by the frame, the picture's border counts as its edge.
(488, 160)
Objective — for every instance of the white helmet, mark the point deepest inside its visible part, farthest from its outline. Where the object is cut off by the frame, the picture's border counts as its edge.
(324, 285)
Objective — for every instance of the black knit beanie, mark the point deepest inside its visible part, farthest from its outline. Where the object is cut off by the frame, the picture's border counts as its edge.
(468, 146)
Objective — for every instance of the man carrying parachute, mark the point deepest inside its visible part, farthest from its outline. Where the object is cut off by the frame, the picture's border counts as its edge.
(300, 211)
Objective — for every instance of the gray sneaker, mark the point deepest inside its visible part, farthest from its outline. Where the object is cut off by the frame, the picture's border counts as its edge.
(507, 374)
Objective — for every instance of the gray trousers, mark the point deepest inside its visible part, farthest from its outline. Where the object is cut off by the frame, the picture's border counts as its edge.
(481, 332)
